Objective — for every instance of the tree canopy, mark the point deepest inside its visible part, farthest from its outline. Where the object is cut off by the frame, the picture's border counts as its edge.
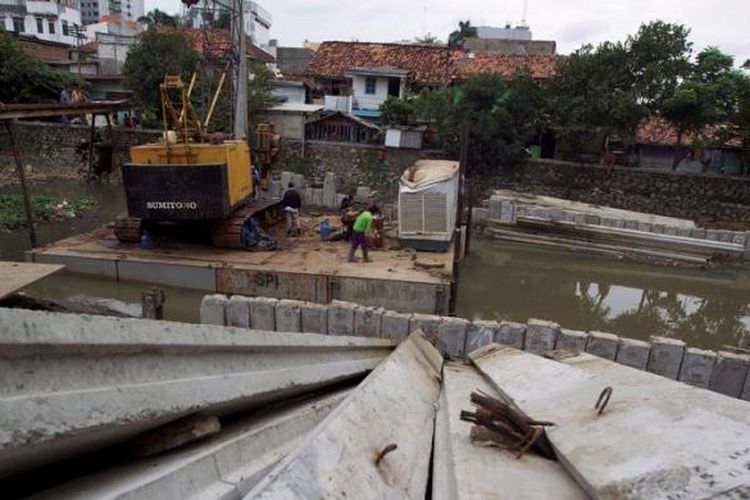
(25, 78)
(156, 17)
(465, 30)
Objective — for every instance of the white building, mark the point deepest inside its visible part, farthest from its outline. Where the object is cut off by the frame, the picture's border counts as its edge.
(372, 86)
(51, 21)
(92, 11)
(257, 20)
(520, 32)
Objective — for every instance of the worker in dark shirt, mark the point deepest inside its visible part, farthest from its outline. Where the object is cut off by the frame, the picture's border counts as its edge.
(292, 204)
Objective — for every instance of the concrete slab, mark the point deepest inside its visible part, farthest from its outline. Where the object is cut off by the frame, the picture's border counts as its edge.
(286, 178)
(541, 335)
(368, 321)
(181, 276)
(572, 340)
(603, 345)
(226, 466)
(17, 275)
(633, 353)
(428, 323)
(511, 334)
(697, 366)
(317, 197)
(389, 415)
(314, 318)
(698, 233)
(84, 265)
(729, 374)
(288, 315)
(238, 311)
(465, 470)
(656, 438)
(341, 317)
(329, 190)
(262, 313)
(395, 325)
(61, 396)
(452, 332)
(214, 309)
(480, 333)
(666, 356)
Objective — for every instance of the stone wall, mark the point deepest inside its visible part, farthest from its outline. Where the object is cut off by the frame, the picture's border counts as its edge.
(355, 165)
(55, 150)
(725, 372)
(712, 200)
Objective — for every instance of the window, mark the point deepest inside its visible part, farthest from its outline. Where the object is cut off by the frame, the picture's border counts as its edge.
(65, 28)
(39, 25)
(394, 87)
(370, 85)
(51, 26)
(18, 24)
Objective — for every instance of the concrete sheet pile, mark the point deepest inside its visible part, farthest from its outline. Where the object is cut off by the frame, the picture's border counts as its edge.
(377, 443)
(75, 383)
(462, 469)
(655, 438)
(225, 466)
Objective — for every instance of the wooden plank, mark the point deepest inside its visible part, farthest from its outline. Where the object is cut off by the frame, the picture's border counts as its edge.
(462, 469)
(656, 438)
(17, 275)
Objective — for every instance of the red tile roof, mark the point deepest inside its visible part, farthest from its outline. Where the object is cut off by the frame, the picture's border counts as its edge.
(658, 131)
(216, 42)
(540, 66)
(426, 63)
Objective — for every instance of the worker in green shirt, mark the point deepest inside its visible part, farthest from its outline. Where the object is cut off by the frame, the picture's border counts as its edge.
(362, 227)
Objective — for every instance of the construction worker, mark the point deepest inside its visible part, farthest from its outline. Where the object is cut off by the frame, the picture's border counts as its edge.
(292, 204)
(362, 227)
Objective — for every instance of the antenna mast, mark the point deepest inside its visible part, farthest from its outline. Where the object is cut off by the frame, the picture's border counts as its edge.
(523, 14)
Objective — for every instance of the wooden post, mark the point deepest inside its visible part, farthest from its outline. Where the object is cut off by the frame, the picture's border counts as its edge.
(459, 217)
(92, 135)
(22, 180)
(152, 303)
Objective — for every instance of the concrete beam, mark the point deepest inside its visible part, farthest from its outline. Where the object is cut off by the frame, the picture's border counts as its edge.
(541, 335)
(262, 313)
(452, 332)
(511, 334)
(368, 321)
(633, 353)
(480, 333)
(697, 367)
(656, 438)
(288, 315)
(666, 356)
(72, 383)
(729, 373)
(341, 317)
(572, 340)
(214, 309)
(377, 442)
(603, 345)
(226, 466)
(314, 318)
(395, 325)
(463, 470)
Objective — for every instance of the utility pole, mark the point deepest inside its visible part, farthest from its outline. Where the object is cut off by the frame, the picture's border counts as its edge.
(240, 77)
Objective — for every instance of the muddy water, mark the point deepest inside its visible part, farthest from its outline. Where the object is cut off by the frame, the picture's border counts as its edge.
(498, 281)
(514, 282)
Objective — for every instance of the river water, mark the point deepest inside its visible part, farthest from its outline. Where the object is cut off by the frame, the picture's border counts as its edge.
(499, 281)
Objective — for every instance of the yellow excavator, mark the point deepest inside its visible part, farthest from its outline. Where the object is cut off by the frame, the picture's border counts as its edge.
(199, 182)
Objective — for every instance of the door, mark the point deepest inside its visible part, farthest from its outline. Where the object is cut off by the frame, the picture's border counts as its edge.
(394, 87)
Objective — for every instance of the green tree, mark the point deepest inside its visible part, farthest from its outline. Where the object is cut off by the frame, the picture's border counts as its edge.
(427, 39)
(712, 93)
(465, 30)
(395, 111)
(224, 20)
(153, 56)
(258, 92)
(25, 78)
(156, 17)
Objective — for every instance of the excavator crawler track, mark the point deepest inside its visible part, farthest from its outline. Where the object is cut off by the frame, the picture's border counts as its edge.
(226, 233)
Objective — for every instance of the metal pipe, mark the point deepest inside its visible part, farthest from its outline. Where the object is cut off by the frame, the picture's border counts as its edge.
(214, 100)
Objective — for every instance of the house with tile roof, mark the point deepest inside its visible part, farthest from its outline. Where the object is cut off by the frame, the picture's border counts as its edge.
(370, 72)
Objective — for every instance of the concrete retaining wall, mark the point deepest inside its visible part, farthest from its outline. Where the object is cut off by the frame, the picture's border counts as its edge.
(724, 372)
